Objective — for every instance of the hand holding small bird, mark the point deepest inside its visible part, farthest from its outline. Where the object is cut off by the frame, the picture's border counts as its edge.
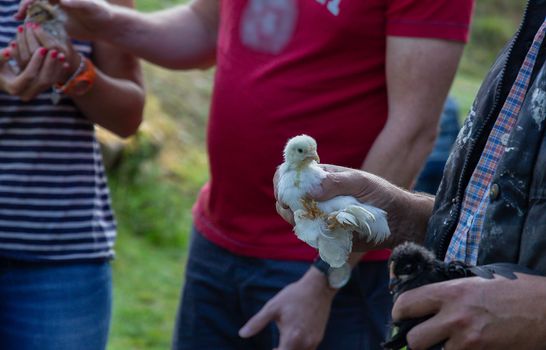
(408, 212)
(83, 19)
(437, 307)
(327, 225)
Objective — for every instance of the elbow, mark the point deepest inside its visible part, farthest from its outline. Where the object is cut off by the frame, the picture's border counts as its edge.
(135, 116)
(130, 128)
(423, 139)
(417, 139)
(203, 61)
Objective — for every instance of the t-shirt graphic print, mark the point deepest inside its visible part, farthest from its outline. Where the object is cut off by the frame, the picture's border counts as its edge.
(267, 25)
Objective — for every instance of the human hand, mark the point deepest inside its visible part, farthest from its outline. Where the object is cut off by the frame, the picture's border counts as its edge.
(342, 181)
(404, 210)
(477, 313)
(44, 69)
(31, 37)
(301, 311)
(86, 19)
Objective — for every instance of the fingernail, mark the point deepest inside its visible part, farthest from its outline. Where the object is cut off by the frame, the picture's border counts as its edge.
(43, 51)
(66, 66)
(29, 24)
(61, 57)
(243, 332)
(35, 25)
(13, 44)
(20, 29)
(54, 54)
(6, 53)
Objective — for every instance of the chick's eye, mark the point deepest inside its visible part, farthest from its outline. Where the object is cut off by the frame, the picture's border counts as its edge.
(300, 150)
(407, 269)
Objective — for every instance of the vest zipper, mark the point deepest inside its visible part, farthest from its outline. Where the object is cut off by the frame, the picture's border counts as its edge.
(448, 234)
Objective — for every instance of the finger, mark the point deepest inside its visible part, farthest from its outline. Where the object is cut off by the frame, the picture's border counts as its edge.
(14, 61)
(5, 55)
(65, 66)
(275, 182)
(59, 69)
(26, 77)
(22, 11)
(433, 331)
(294, 341)
(419, 302)
(47, 76)
(336, 184)
(49, 41)
(24, 53)
(32, 41)
(285, 213)
(334, 168)
(74, 5)
(257, 322)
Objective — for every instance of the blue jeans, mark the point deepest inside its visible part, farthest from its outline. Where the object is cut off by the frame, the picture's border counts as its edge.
(222, 291)
(54, 306)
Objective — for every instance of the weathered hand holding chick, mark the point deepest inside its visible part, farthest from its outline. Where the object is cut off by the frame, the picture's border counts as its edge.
(329, 225)
(412, 266)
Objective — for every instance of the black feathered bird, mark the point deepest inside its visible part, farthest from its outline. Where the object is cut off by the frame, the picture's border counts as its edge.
(412, 266)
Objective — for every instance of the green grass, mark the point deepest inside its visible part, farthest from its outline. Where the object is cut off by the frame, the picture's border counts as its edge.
(163, 168)
(152, 191)
(494, 23)
(154, 5)
(147, 283)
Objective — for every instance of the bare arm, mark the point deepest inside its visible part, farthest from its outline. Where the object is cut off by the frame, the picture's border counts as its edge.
(116, 101)
(179, 38)
(419, 75)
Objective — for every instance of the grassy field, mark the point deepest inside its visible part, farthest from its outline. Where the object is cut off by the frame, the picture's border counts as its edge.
(164, 166)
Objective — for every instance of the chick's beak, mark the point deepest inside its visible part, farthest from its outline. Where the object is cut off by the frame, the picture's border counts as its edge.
(314, 155)
(393, 283)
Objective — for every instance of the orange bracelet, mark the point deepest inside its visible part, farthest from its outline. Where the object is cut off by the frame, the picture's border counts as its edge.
(81, 82)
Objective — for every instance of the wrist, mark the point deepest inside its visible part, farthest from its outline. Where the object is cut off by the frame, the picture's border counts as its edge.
(80, 80)
(73, 60)
(105, 24)
(122, 22)
(410, 216)
(319, 281)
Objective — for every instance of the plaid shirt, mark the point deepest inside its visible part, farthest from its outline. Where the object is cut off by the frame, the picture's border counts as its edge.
(466, 239)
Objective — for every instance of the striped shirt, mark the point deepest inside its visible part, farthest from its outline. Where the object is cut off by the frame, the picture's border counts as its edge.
(465, 242)
(54, 199)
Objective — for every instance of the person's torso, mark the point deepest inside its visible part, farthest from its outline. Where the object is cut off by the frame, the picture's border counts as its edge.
(329, 83)
(515, 218)
(289, 67)
(54, 200)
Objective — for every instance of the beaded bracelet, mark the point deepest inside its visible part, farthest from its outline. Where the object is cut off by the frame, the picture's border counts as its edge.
(81, 81)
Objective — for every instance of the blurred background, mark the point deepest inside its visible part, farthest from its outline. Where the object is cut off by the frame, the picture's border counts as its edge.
(155, 177)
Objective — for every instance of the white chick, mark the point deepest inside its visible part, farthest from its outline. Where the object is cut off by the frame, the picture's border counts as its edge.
(329, 225)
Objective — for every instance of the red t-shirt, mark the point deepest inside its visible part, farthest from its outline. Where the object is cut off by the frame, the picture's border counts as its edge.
(288, 67)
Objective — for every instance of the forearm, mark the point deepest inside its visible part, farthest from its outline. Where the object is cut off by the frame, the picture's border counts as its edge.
(400, 151)
(179, 38)
(419, 74)
(407, 214)
(398, 157)
(114, 104)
